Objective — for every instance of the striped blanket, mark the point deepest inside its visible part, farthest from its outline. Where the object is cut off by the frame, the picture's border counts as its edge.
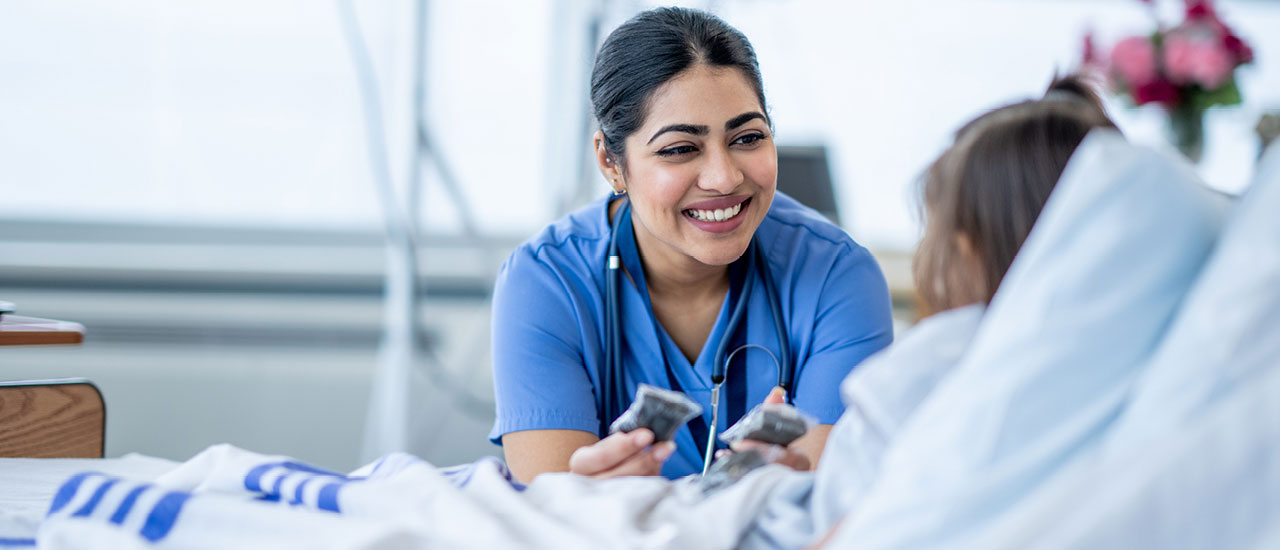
(227, 497)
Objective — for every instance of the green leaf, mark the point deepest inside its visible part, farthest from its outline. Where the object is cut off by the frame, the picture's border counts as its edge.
(1227, 94)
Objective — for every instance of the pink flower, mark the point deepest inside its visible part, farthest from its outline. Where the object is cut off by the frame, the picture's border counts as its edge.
(1134, 61)
(1237, 48)
(1156, 91)
(1193, 56)
(1201, 9)
(1200, 13)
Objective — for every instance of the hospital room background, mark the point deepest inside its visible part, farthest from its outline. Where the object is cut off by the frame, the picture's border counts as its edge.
(280, 222)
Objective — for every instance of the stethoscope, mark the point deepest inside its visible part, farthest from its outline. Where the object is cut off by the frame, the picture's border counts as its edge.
(613, 387)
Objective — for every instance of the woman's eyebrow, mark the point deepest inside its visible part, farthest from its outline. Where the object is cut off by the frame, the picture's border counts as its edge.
(684, 128)
(743, 119)
(699, 130)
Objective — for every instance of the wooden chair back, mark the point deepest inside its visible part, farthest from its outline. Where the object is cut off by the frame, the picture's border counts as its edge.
(52, 419)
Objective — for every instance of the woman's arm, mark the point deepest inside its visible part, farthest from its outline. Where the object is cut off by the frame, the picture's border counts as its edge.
(545, 405)
(803, 453)
(533, 452)
(811, 444)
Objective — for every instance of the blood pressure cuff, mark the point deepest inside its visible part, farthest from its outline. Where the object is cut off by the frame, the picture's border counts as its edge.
(736, 465)
(662, 411)
(776, 423)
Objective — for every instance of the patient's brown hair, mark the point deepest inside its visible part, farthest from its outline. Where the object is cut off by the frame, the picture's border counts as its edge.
(982, 196)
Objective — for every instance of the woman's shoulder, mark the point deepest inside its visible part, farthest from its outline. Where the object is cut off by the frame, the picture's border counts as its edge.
(570, 243)
(579, 233)
(793, 228)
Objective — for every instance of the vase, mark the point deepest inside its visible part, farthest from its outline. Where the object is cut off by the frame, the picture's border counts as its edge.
(1186, 130)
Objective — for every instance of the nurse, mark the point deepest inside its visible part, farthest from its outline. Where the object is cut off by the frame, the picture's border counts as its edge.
(686, 143)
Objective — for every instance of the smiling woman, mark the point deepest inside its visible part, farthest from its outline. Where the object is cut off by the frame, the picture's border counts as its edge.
(704, 150)
(711, 258)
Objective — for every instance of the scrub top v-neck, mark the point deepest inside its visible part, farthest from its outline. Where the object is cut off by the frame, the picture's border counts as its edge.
(682, 374)
(548, 326)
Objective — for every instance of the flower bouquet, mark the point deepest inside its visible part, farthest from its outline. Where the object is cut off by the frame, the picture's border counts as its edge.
(1186, 69)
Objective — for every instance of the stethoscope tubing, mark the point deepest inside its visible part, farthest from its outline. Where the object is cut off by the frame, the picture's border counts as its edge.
(713, 431)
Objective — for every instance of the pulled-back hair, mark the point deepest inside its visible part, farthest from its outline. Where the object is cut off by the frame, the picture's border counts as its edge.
(651, 49)
(982, 196)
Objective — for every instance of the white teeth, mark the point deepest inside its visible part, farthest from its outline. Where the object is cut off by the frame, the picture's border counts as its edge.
(715, 215)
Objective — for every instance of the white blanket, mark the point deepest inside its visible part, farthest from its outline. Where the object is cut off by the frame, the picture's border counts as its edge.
(230, 498)
(880, 396)
(1084, 304)
(1194, 460)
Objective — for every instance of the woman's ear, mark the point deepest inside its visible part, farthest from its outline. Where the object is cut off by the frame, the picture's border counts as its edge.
(964, 245)
(608, 166)
(971, 281)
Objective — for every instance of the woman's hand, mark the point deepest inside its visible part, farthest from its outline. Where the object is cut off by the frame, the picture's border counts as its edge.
(794, 458)
(622, 454)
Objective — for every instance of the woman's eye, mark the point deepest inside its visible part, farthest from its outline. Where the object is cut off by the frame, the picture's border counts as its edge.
(750, 139)
(677, 150)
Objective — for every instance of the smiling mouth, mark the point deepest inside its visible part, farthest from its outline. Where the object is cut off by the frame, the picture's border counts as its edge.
(718, 215)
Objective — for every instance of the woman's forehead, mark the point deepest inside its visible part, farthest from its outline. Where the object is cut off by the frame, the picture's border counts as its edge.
(701, 95)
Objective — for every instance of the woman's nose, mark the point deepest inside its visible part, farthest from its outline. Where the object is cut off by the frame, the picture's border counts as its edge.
(720, 174)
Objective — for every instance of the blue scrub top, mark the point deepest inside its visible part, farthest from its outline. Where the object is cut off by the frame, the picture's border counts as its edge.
(548, 326)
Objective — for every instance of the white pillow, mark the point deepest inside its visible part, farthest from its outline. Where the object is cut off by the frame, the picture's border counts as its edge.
(1086, 300)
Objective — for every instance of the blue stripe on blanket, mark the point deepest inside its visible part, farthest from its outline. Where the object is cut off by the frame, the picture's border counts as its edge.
(17, 543)
(160, 518)
(68, 490)
(297, 491)
(253, 480)
(88, 507)
(460, 475)
(377, 466)
(127, 504)
(326, 499)
(163, 516)
(275, 489)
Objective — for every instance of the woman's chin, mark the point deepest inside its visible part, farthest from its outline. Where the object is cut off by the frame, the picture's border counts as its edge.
(721, 255)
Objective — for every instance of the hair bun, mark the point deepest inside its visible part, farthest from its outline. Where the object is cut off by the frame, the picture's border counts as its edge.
(1073, 87)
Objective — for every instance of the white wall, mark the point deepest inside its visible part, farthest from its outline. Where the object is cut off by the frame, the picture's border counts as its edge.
(885, 83)
(247, 112)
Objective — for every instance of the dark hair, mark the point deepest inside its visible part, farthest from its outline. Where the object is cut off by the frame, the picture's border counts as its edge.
(651, 49)
(983, 195)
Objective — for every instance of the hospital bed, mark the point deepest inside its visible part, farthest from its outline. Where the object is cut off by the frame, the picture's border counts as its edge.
(1077, 434)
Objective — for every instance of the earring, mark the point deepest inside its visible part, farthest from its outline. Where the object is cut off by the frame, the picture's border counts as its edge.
(616, 192)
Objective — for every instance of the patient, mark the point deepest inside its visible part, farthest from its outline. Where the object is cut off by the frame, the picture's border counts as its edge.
(981, 198)
(983, 194)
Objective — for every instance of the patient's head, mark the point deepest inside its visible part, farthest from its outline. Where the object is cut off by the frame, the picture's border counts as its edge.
(982, 196)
